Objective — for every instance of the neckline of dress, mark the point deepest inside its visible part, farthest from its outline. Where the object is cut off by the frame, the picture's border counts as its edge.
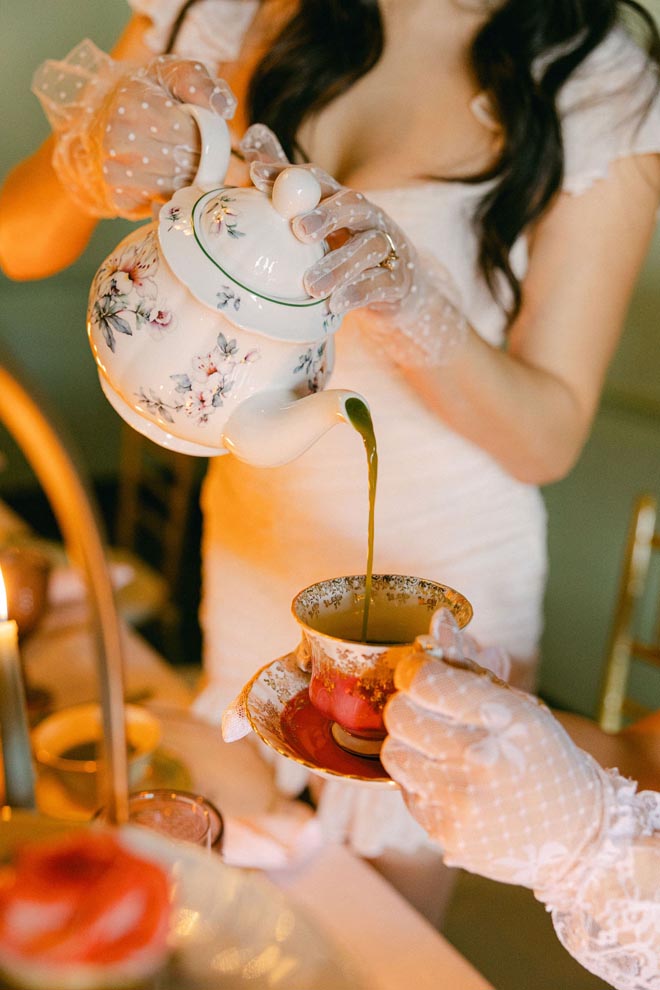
(481, 107)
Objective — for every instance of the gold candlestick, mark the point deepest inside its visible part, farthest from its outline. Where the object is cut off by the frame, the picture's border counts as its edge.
(14, 729)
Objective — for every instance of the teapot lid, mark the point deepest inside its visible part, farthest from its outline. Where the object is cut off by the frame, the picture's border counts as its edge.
(235, 251)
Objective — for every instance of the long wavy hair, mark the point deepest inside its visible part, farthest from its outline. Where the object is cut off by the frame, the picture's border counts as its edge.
(327, 45)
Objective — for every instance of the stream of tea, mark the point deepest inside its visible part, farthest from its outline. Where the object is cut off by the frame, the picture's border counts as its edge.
(360, 419)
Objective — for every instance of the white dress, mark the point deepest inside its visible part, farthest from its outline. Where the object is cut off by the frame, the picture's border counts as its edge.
(445, 509)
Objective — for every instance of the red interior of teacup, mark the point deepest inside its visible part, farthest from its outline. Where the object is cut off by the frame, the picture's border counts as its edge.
(351, 703)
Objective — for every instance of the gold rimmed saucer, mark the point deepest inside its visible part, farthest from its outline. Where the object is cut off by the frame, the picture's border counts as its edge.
(280, 713)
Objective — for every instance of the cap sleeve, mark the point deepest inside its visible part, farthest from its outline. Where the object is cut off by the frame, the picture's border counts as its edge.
(212, 30)
(609, 109)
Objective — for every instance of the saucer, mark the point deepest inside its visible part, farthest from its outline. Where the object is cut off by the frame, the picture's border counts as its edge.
(281, 714)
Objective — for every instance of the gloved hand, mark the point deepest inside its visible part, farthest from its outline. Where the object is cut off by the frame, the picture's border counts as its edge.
(123, 141)
(487, 770)
(410, 303)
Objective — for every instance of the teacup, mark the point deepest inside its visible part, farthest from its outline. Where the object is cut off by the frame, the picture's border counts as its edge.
(351, 679)
(66, 747)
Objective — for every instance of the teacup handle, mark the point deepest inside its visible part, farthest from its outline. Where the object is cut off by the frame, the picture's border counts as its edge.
(303, 654)
(216, 147)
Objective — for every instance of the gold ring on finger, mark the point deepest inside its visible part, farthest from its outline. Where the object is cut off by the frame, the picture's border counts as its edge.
(391, 261)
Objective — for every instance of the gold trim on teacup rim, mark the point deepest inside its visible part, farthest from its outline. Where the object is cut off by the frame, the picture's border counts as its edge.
(461, 602)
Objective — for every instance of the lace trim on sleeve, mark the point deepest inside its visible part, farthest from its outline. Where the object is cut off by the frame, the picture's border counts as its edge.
(74, 86)
(606, 912)
(610, 109)
(213, 30)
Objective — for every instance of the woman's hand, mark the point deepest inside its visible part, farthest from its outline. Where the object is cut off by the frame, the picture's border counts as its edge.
(148, 145)
(412, 302)
(487, 770)
(373, 265)
(124, 139)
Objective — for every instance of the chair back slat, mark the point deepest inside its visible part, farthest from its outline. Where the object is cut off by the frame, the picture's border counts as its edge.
(633, 710)
(649, 654)
(157, 489)
(629, 645)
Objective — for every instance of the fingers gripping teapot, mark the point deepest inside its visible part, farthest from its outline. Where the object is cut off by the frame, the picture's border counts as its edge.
(204, 337)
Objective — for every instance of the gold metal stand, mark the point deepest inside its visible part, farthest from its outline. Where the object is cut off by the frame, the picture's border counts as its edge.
(75, 514)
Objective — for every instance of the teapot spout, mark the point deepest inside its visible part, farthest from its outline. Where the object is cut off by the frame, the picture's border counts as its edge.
(273, 427)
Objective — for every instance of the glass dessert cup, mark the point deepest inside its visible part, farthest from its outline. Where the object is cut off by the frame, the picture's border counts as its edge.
(177, 814)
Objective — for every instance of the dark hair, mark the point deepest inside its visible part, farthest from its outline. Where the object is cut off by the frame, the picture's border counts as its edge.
(531, 163)
(328, 44)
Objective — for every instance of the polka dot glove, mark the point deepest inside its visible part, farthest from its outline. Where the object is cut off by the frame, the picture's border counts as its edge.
(487, 770)
(408, 302)
(123, 139)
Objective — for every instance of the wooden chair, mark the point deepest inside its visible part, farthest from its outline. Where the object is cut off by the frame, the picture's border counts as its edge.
(157, 488)
(634, 643)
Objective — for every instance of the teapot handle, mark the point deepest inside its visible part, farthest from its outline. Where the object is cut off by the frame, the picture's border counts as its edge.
(216, 147)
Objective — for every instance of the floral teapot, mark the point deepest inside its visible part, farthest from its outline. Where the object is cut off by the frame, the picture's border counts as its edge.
(204, 337)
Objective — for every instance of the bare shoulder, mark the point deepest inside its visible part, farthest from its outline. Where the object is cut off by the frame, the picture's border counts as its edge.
(617, 211)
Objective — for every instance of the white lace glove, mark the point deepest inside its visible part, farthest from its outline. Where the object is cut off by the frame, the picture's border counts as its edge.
(408, 301)
(489, 772)
(123, 139)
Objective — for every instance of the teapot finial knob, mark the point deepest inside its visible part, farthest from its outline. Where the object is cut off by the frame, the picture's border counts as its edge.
(295, 191)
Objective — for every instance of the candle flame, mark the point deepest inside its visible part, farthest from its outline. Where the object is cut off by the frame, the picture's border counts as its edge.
(4, 611)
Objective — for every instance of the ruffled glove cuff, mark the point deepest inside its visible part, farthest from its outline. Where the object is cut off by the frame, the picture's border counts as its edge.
(606, 909)
(71, 92)
(626, 817)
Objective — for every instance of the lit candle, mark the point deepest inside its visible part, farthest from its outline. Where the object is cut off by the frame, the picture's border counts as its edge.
(14, 728)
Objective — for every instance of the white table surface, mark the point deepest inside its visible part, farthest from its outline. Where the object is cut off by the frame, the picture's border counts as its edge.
(395, 947)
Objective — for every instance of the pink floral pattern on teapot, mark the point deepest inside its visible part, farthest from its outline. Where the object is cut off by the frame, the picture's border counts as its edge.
(127, 296)
(127, 302)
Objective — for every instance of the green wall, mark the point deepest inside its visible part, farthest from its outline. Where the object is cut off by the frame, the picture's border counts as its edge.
(43, 324)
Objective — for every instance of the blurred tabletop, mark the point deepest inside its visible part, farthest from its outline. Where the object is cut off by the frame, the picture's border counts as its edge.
(393, 945)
